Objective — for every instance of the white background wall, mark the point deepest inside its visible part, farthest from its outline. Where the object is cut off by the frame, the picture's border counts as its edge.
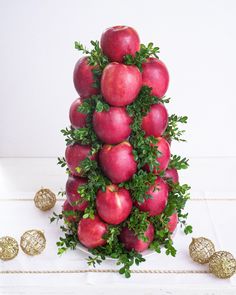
(197, 41)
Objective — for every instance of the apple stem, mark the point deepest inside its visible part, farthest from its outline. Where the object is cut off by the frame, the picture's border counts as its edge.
(112, 188)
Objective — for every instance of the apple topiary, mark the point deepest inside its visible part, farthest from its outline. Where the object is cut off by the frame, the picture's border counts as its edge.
(123, 190)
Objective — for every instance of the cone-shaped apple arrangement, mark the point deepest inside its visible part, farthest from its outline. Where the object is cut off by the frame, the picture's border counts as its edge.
(123, 193)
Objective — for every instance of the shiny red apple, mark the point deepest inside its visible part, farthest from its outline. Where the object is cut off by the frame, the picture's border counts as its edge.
(114, 205)
(91, 232)
(77, 119)
(118, 41)
(112, 126)
(120, 84)
(73, 197)
(173, 221)
(155, 122)
(74, 155)
(83, 78)
(156, 204)
(117, 162)
(164, 158)
(156, 76)
(132, 242)
(172, 174)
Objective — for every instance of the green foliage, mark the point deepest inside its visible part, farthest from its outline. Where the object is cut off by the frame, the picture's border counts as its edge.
(141, 106)
(96, 181)
(142, 55)
(145, 148)
(138, 222)
(56, 217)
(172, 131)
(127, 260)
(93, 260)
(86, 135)
(139, 185)
(61, 162)
(95, 58)
(94, 103)
(178, 163)
(70, 240)
(61, 193)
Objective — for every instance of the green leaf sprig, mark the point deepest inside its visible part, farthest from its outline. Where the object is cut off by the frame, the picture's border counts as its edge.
(142, 55)
(172, 131)
(139, 185)
(138, 222)
(178, 163)
(145, 148)
(86, 135)
(96, 58)
(96, 180)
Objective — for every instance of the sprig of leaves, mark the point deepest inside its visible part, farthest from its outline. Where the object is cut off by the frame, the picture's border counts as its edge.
(61, 193)
(178, 196)
(86, 135)
(116, 250)
(139, 185)
(145, 148)
(127, 260)
(138, 223)
(96, 58)
(61, 162)
(96, 181)
(70, 239)
(178, 163)
(162, 235)
(56, 217)
(142, 55)
(94, 103)
(172, 131)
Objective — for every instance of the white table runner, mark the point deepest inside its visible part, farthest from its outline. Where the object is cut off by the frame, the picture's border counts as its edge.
(211, 217)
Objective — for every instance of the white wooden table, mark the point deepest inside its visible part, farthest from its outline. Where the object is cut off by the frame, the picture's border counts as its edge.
(211, 212)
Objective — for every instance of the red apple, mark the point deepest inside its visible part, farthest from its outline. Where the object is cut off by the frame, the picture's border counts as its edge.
(117, 162)
(112, 126)
(74, 155)
(155, 122)
(120, 84)
(77, 119)
(172, 222)
(67, 208)
(118, 41)
(156, 204)
(172, 174)
(156, 76)
(73, 197)
(164, 158)
(114, 205)
(91, 232)
(83, 78)
(131, 241)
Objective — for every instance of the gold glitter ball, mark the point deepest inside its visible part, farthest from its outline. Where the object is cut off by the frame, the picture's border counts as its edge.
(45, 199)
(222, 264)
(8, 248)
(33, 242)
(201, 249)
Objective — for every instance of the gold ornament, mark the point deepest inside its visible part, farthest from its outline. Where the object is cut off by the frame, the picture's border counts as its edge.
(45, 199)
(222, 264)
(201, 249)
(33, 242)
(8, 248)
